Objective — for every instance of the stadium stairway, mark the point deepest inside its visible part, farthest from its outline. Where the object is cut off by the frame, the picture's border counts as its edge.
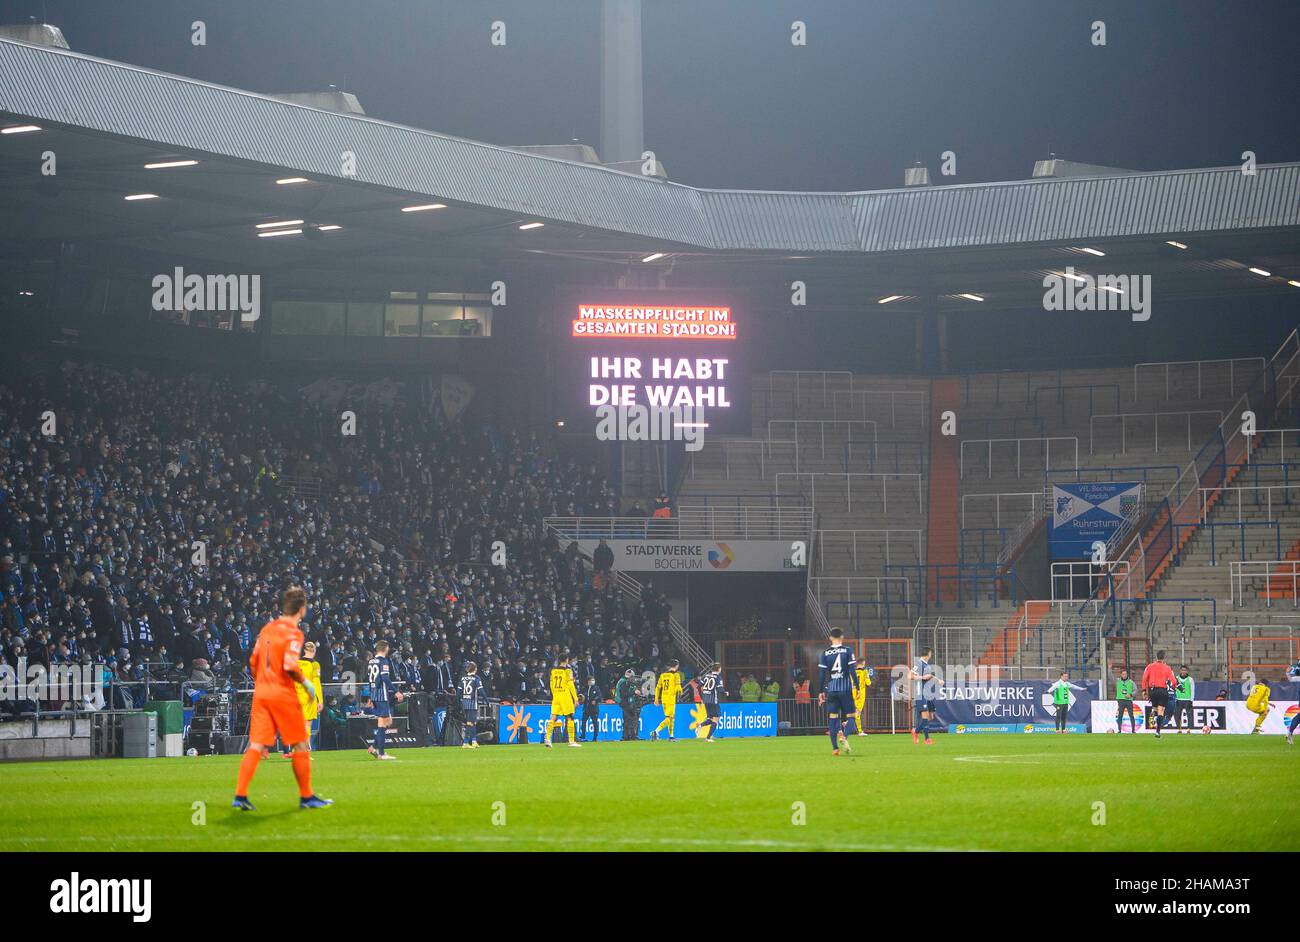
(1084, 406)
(1281, 585)
(1004, 646)
(1243, 524)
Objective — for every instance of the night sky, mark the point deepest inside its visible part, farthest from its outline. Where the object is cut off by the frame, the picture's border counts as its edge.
(730, 102)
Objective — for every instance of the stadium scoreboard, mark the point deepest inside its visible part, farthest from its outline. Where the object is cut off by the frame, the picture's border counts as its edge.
(653, 366)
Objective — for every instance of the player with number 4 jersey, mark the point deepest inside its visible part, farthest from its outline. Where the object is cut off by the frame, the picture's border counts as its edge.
(838, 676)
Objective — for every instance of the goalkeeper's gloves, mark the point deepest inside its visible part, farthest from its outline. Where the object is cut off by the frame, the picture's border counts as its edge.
(311, 690)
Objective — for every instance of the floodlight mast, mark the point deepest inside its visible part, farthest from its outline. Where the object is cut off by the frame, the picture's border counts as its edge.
(622, 123)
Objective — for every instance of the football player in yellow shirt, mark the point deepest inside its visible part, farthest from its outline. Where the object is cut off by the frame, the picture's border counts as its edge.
(564, 701)
(667, 690)
(860, 699)
(310, 704)
(1257, 703)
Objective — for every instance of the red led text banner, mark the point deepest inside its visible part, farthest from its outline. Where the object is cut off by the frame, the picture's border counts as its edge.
(626, 322)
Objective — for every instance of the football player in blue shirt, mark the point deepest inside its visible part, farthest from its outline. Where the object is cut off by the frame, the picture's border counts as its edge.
(471, 693)
(710, 686)
(838, 675)
(383, 693)
(926, 680)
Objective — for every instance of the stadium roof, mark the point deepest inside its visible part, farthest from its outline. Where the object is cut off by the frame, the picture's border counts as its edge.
(1204, 232)
(58, 86)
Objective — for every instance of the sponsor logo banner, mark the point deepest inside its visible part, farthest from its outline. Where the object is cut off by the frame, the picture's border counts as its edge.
(1218, 716)
(1015, 704)
(651, 555)
(967, 729)
(1084, 513)
(528, 720)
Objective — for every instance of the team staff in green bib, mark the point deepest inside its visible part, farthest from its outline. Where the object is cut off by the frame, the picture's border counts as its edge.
(1125, 690)
(1184, 697)
(1060, 692)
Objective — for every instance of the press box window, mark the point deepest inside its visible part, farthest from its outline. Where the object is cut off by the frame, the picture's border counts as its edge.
(308, 318)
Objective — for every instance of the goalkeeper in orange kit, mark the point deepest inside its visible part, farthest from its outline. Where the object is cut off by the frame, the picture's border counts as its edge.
(276, 673)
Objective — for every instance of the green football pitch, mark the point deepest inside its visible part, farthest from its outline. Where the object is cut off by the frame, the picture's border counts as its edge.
(986, 792)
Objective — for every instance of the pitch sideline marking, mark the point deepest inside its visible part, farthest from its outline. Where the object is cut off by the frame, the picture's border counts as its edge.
(1028, 759)
(506, 839)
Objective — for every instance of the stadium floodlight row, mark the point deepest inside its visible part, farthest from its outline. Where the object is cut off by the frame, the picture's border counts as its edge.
(110, 121)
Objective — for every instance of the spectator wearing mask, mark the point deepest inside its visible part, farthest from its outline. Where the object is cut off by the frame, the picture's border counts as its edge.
(602, 558)
(333, 725)
(201, 673)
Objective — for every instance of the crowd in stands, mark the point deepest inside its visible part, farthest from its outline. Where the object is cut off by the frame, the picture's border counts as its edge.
(151, 528)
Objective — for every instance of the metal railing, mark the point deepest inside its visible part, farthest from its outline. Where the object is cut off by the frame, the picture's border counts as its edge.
(1282, 433)
(1121, 473)
(1069, 574)
(300, 485)
(1152, 608)
(1091, 389)
(1065, 636)
(691, 523)
(1264, 655)
(628, 585)
(1035, 504)
(1278, 576)
(973, 583)
(1123, 426)
(821, 425)
(813, 608)
(728, 445)
(882, 715)
(883, 612)
(1252, 469)
(915, 455)
(1009, 379)
(848, 477)
(688, 646)
(951, 644)
(883, 589)
(892, 394)
(1209, 467)
(741, 499)
(890, 541)
(1019, 443)
(979, 540)
(1209, 495)
(817, 380)
(968, 426)
(1199, 364)
(1214, 528)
